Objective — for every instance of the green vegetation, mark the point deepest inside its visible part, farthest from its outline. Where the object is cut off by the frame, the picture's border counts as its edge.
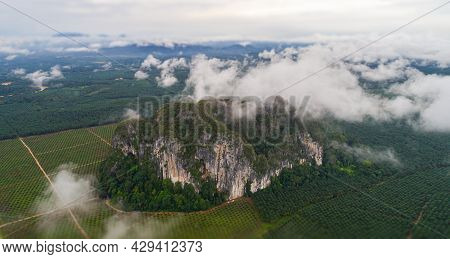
(395, 209)
(345, 197)
(304, 185)
(350, 197)
(139, 187)
(82, 99)
(137, 181)
(304, 202)
(414, 148)
(236, 219)
(20, 181)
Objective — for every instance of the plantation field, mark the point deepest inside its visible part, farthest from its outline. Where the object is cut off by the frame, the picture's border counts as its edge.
(23, 186)
(415, 206)
(235, 219)
(20, 181)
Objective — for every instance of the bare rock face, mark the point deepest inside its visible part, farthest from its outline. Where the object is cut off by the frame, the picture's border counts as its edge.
(314, 149)
(223, 159)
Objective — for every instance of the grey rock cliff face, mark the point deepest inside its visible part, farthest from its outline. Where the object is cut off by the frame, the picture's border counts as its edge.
(313, 149)
(222, 159)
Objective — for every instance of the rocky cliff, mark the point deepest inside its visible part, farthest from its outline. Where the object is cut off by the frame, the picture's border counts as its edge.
(224, 157)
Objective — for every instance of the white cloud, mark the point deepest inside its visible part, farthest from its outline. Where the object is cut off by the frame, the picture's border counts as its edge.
(212, 77)
(267, 54)
(39, 78)
(167, 77)
(140, 75)
(95, 46)
(149, 62)
(14, 50)
(55, 72)
(273, 56)
(119, 43)
(432, 95)
(104, 66)
(10, 57)
(167, 69)
(427, 47)
(107, 66)
(334, 91)
(367, 153)
(131, 114)
(79, 49)
(68, 191)
(386, 70)
(134, 225)
(19, 71)
(166, 80)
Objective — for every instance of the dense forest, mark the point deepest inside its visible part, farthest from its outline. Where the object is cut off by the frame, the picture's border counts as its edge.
(138, 186)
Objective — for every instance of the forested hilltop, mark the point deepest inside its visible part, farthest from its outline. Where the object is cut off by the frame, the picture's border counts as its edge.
(203, 146)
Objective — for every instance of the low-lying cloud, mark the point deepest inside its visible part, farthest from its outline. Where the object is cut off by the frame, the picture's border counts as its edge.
(367, 153)
(19, 71)
(10, 57)
(12, 51)
(130, 114)
(432, 97)
(140, 75)
(336, 90)
(166, 68)
(104, 67)
(39, 78)
(138, 225)
(68, 191)
(385, 70)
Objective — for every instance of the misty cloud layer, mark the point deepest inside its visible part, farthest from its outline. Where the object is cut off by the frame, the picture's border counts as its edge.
(138, 225)
(166, 69)
(367, 153)
(334, 91)
(68, 191)
(39, 78)
(130, 114)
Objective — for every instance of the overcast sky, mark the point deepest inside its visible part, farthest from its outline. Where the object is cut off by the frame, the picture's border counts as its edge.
(222, 19)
